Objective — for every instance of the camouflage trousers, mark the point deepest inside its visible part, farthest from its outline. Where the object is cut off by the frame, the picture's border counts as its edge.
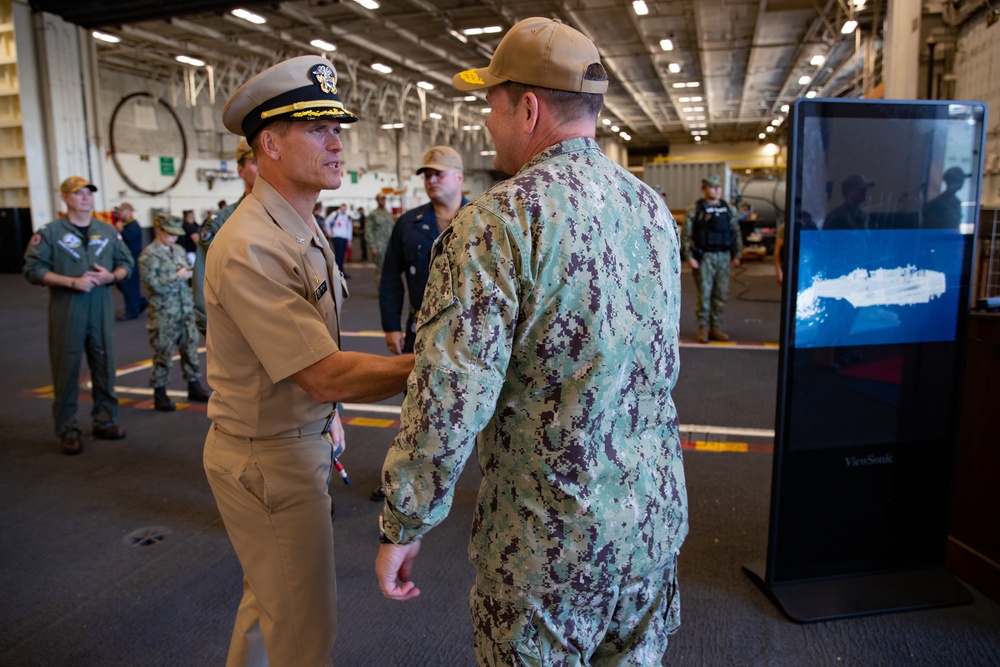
(711, 282)
(626, 625)
(167, 336)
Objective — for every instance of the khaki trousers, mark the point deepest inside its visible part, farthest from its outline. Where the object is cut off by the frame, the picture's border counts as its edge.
(273, 495)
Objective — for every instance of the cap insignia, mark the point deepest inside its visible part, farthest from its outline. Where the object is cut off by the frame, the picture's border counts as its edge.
(471, 76)
(326, 78)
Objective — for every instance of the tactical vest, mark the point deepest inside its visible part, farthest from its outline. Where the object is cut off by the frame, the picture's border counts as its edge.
(712, 229)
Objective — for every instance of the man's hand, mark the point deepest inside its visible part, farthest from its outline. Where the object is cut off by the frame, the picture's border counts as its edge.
(735, 261)
(394, 341)
(393, 567)
(99, 275)
(694, 263)
(336, 435)
(184, 273)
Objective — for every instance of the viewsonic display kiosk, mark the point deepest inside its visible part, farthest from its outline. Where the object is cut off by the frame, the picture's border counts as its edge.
(882, 204)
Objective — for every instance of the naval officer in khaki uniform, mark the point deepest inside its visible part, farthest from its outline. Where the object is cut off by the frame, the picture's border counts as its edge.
(273, 295)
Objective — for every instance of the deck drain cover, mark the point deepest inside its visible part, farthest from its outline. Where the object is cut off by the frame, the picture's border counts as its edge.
(145, 537)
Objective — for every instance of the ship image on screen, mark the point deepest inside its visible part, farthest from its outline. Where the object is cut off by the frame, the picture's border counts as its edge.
(904, 286)
(906, 292)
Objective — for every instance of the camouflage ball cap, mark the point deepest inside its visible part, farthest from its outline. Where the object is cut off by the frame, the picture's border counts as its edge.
(169, 224)
(302, 88)
(441, 158)
(538, 52)
(712, 181)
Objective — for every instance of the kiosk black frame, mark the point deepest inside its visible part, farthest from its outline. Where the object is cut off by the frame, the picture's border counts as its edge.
(882, 204)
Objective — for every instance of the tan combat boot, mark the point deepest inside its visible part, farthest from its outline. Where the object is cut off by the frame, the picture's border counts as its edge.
(702, 334)
(717, 334)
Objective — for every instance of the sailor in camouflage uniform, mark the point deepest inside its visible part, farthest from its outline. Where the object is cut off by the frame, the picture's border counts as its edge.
(548, 339)
(165, 272)
(378, 229)
(711, 242)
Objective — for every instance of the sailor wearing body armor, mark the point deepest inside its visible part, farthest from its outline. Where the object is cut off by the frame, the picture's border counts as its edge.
(711, 244)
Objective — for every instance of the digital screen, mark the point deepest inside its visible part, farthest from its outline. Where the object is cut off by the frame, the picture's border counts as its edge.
(880, 237)
(883, 198)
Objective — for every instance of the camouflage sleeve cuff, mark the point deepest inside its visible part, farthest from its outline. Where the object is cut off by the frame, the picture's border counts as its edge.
(391, 530)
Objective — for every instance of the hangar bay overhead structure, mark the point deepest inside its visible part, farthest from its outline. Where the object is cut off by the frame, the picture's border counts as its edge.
(681, 71)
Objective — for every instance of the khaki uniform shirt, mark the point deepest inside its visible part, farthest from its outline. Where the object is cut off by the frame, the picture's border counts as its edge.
(273, 297)
(548, 337)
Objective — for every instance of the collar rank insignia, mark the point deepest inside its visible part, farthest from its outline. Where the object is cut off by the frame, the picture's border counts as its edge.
(326, 78)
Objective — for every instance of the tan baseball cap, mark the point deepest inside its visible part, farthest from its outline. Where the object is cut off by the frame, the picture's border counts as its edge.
(243, 150)
(538, 52)
(302, 88)
(441, 158)
(74, 183)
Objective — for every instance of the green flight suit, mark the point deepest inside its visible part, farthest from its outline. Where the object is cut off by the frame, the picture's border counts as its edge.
(79, 322)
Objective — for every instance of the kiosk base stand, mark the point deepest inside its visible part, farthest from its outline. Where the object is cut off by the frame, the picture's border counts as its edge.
(814, 600)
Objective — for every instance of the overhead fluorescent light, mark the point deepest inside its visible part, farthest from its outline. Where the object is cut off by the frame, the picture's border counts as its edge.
(697, 138)
(817, 60)
(696, 98)
(323, 46)
(674, 68)
(761, 135)
(859, 4)
(784, 108)
(379, 67)
(488, 30)
(769, 128)
(425, 85)
(368, 4)
(487, 153)
(640, 8)
(776, 122)
(678, 85)
(849, 27)
(692, 109)
(105, 37)
(667, 44)
(472, 128)
(435, 115)
(804, 80)
(484, 110)
(187, 60)
(256, 19)
(393, 126)
(459, 36)
(811, 94)
(606, 121)
(615, 128)
(626, 136)
(469, 98)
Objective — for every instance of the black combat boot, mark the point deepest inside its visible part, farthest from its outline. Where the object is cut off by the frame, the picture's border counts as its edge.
(196, 392)
(161, 401)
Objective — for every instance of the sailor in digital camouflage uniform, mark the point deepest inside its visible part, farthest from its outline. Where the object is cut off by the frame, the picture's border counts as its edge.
(77, 257)
(246, 168)
(273, 296)
(548, 339)
(711, 242)
(378, 229)
(164, 270)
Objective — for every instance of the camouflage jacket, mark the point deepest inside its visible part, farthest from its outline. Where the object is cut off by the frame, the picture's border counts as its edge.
(169, 296)
(378, 229)
(548, 337)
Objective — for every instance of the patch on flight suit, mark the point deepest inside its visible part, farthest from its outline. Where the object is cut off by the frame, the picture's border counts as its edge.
(71, 240)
